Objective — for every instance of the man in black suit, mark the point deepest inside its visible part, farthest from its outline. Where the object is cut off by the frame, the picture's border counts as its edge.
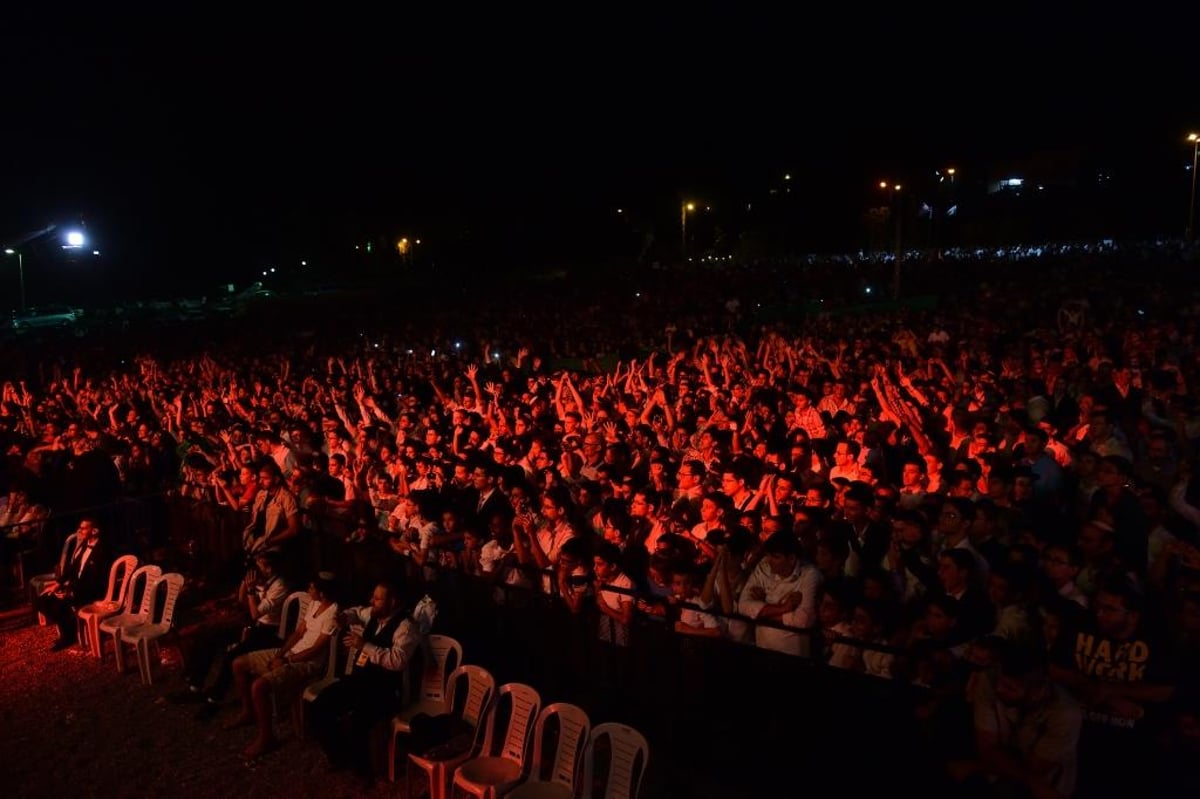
(84, 579)
(869, 540)
(487, 499)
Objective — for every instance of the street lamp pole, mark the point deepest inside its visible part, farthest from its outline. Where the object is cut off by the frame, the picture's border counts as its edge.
(899, 253)
(683, 226)
(895, 207)
(20, 273)
(1194, 138)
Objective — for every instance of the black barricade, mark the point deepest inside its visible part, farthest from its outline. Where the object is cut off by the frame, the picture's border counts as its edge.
(741, 715)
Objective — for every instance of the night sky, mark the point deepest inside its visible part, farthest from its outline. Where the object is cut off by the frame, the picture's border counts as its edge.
(212, 141)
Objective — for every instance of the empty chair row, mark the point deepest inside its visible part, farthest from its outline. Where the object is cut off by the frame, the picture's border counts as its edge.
(508, 723)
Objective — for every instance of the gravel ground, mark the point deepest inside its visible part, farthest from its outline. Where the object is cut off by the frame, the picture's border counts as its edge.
(74, 727)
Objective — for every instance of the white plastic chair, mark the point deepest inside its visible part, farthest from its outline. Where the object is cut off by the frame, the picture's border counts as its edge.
(290, 615)
(147, 633)
(573, 730)
(138, 604)
(40, 582)
(440, 651)
(628, 754)
(314, 688)
(88, 617)
(296, 601)
(486, 775)
(479, 687)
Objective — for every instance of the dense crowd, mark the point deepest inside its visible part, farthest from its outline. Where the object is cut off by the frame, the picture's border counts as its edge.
(991, 499)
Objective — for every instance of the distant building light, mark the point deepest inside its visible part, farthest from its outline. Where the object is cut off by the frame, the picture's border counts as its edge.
(95, 252)
(75, 239)
(1014, 182)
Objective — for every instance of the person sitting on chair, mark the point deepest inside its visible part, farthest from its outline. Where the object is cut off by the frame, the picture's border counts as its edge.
(286, 670)
(83, 580)
(382, 641)
(259, 601)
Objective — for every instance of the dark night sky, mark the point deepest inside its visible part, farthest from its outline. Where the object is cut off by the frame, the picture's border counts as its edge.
(214, 140)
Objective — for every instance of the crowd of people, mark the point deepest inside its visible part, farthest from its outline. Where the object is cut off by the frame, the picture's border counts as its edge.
(991, 500)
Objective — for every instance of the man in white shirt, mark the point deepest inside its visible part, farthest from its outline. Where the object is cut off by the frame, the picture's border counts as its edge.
(782, 589)
(382, 641)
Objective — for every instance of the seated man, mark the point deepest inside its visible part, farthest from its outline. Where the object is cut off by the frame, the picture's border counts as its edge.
(1026, 732)
(83, 580)
(285, 671)
(254, 626)
(382, 641)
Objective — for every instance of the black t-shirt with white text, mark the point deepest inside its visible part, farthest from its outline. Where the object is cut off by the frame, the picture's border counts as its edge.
(1142, 658)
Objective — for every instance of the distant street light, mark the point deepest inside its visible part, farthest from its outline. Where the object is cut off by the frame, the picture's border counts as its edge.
(20, 272)
(685, 208)
(1194, 138)
(74, 240)
(894, 206)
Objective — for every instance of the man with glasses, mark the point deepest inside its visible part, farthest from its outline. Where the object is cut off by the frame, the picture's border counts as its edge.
(953, 532)
(689, 489)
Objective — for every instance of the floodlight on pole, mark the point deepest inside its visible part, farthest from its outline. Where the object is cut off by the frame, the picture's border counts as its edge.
(684, 210)
(1194, 140)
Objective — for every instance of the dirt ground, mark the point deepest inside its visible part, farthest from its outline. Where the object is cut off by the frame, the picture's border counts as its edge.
(73, 726)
